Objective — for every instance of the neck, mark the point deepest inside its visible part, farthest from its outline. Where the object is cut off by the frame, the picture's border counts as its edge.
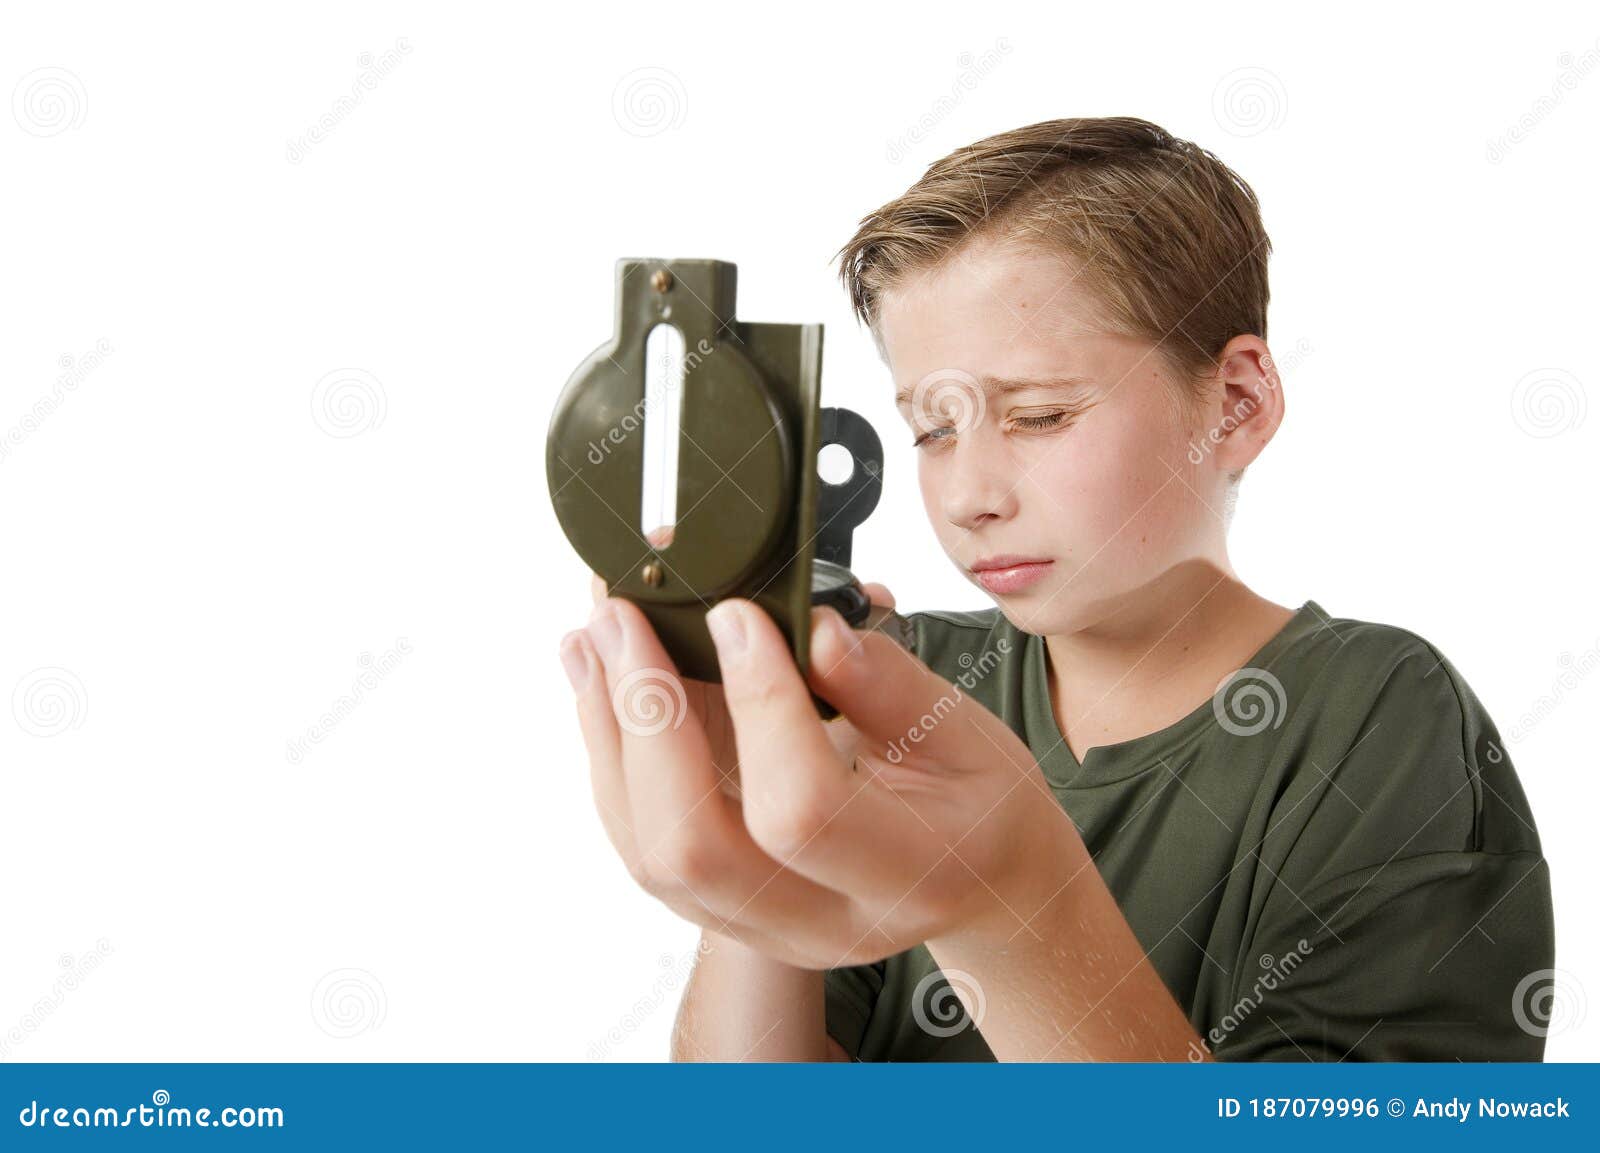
(1153, 656)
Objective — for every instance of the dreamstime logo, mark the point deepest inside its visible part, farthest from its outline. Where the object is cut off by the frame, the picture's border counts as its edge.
(76, 970)
(939, 1010)
(49, 101)
(1573, 70)
(73, 373)
(373, 671)
(348, 401)
(348, 1002)
(1276, 969)
(49, 701)
(649, 101)
(1548, 1002)
(1548, 402)
(973, 70)
(649, 701)
(675, 974)
(1249, 101)
(633, 420)
(373, 70)
(1573, 672)
(159, 1114)
(1249, 701)
(1284, 365)
(973, 670)
(947, 398)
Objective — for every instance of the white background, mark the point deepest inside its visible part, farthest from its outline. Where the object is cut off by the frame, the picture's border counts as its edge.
(197, 565)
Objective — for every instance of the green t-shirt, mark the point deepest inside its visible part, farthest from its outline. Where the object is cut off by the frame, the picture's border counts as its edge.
(1331, 858)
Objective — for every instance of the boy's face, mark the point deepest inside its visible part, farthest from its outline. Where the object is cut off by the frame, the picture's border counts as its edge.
(1087, 472)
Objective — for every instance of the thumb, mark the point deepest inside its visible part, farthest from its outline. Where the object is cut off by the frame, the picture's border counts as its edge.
(760, 682)
(805, 805)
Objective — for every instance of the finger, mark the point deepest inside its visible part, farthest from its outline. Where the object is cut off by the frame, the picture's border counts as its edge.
(707, 702)
(879, 594)
(601, 738)
(690, 835)
(815, 811)
(597, 588)
(666, 760)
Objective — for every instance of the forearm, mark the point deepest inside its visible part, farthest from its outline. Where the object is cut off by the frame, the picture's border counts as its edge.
(1074, 984)
(741, 1005)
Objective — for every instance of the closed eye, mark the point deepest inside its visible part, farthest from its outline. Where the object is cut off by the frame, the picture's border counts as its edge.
(1042, 421)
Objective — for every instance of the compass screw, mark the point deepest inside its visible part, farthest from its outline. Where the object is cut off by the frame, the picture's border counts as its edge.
(652, 574)
(661, 280)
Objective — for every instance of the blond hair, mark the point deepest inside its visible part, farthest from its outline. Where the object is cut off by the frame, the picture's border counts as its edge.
(1166, 236)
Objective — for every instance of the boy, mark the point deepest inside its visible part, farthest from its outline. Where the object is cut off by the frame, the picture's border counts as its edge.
(1136, 811)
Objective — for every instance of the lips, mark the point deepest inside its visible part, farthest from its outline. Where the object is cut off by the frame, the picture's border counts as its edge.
(1007, 574)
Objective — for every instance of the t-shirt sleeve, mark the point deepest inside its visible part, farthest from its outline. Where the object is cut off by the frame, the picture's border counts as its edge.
(1408, 917)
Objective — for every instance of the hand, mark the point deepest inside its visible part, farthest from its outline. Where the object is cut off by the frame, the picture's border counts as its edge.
(918, 815)
(707, 702)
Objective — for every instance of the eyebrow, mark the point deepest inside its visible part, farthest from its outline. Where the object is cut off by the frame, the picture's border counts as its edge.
(1001, 385)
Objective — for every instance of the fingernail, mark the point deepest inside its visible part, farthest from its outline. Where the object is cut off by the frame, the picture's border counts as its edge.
(575, 659)
(605, 630)
(727, 628)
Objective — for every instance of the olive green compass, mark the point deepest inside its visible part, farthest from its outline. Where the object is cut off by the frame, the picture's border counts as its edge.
(753, 517)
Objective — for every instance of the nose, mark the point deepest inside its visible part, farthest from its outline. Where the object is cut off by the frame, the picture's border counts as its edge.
(977, 483)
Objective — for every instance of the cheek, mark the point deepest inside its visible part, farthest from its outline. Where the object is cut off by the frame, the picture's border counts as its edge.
(927, 485)
(930, 483)
(1118, 499)
(1157, 513)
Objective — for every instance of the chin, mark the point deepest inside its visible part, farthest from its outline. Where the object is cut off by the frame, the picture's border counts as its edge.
(1037, 612)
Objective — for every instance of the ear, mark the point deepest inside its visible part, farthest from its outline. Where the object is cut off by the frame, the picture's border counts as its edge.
(1246, 411)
